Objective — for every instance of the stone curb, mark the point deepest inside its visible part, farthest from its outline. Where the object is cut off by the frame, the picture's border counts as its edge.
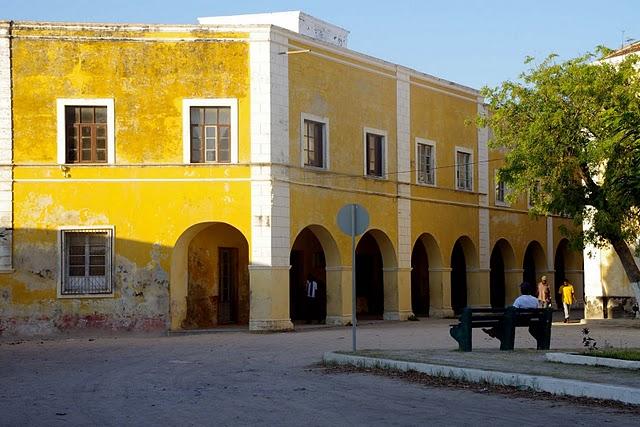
(534, 382)
(576, 359)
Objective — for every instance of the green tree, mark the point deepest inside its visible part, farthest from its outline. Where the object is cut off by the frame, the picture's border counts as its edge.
(570, 132)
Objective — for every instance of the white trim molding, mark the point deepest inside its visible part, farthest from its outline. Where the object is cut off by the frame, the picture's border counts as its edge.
(61, 103)
(432, 144)
(187, 103)
(325, 140)
(385, 142)
(469, 151)
(109, 263)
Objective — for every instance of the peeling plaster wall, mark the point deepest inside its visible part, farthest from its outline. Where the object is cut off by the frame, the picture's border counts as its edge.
(148, 197)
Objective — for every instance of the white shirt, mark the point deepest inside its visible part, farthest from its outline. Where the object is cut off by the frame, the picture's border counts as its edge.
(526, 301)
(312, 287)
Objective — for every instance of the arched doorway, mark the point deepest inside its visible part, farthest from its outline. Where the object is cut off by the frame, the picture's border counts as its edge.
(464, 265)
(210, 277)
(419, 280)
(501, 263)
(568, 264)
(307, 261)
(533, 263)
(369, 278)
(426, 278)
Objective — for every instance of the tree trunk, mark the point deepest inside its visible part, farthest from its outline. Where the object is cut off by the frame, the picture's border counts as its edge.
(629, 265)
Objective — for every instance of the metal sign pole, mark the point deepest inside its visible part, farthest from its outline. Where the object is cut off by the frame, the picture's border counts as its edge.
(353, 220)
(353, 274)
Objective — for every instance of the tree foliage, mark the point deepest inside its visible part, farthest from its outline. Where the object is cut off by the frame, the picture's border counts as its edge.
(570, 130)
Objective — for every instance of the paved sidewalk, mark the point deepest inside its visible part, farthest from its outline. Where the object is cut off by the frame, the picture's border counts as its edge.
(524, 367)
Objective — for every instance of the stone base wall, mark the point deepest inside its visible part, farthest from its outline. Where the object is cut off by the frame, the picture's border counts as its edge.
(609, 308)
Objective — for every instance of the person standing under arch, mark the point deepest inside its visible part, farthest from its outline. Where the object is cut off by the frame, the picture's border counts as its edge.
(568, 298)
(311, 296)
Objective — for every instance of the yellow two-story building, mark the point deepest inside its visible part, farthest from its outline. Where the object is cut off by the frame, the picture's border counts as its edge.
(167, 177)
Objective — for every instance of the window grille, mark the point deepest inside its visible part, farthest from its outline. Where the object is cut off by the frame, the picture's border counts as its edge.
(86, 262)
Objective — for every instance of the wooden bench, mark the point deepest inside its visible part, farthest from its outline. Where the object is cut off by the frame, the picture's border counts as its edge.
(502, 324)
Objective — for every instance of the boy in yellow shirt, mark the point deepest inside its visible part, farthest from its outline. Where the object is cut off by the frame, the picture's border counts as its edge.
(568, 296)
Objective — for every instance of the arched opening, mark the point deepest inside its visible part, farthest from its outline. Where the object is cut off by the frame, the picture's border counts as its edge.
(210, 277)
(464, 263)
(568, 264)
(501, 264)
(307, 263)
(426, 278)
(534, 263)
(419, 280)
(369, 278)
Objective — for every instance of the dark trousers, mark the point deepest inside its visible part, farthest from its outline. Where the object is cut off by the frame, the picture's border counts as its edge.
(312, 309)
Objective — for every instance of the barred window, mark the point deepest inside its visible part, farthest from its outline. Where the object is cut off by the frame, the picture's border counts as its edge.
(86, 262)
(464, 171)
(426, 163)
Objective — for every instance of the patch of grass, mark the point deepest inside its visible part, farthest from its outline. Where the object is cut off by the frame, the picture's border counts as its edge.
(615, 353)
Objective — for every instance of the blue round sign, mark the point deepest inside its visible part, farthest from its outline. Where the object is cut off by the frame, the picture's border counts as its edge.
(353, 219)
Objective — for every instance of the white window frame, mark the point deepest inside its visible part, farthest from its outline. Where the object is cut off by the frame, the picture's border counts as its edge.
(187, 103)
(432, 144)
(470, 152)
(325, 140)
(109, 269)
(495, 194)
(61, 103)
(383, 134)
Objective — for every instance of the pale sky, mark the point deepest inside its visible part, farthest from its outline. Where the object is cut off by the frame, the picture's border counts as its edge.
(472, 42)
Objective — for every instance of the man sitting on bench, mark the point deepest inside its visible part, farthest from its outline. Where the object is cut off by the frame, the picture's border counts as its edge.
(525, 300)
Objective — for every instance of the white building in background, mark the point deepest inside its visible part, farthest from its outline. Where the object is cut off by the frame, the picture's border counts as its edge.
(608, 294)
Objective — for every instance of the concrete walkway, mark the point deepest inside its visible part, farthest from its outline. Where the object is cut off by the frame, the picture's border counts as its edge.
(524, 367)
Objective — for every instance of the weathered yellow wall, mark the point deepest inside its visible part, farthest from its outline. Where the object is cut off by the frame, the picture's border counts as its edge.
(149, 205)
(204, 276)
(351, 99)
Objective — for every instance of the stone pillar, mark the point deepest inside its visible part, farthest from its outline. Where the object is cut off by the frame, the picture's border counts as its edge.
(338, 295)
(268, 297)
(397, 293)
(478, 288)
(440, 292)
(399, 307)
(6, 152)
(270, 201)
